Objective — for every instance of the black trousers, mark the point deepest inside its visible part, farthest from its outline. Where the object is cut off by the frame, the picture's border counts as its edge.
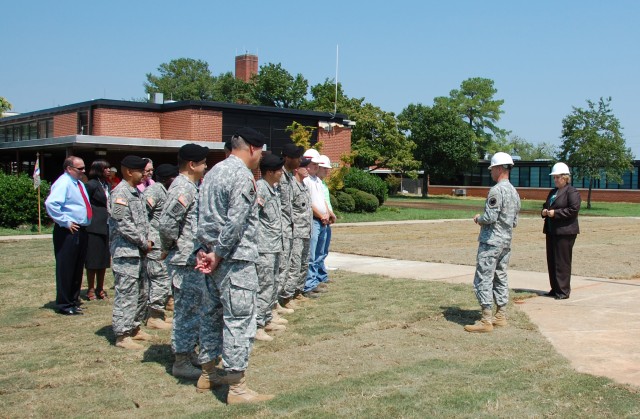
(559, 255)
(71, 252)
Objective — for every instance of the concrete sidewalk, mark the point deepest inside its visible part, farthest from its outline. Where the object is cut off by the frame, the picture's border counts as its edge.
(597, 329)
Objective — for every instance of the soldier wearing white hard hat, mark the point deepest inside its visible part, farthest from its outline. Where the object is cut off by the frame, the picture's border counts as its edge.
(497, 222)
(560, 213)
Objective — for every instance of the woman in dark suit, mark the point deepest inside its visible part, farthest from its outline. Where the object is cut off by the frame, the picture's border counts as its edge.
(560, 213)
(98, 255)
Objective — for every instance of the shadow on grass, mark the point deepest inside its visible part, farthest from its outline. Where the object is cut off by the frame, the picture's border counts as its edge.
(107, 333)
(460, 316)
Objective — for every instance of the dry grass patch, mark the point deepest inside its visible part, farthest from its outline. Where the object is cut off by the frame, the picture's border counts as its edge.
(371, 347)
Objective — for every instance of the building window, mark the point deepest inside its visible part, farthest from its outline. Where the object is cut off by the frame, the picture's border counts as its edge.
(83, 123)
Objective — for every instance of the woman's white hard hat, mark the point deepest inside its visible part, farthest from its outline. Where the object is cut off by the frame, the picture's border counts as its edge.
(560, 169)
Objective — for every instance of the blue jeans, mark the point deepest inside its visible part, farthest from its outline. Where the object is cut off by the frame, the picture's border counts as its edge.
(316, 256)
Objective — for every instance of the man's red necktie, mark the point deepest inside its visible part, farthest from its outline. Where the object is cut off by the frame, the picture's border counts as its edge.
(86, 202)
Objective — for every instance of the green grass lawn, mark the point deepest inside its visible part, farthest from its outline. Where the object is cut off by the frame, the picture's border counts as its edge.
(371, 347)
(25, 231)
(468, 206)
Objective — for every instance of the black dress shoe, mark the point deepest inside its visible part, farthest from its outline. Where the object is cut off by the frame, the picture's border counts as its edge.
(561, 297)
(73, 311)
(549, 294)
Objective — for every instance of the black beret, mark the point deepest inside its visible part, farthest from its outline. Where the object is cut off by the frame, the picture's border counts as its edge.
(251, 136)
(134, 162)
(305, 162)
(271, 162)
(292, 150)
(166, 171)
(192, 152)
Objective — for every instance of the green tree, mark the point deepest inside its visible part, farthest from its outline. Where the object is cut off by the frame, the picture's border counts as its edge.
(522, 148)
(227, 88)
(475, 103)
(4, 106)
(444, 143)
(593, 144)
(275, 86)
(182, 79)
(377, 140)
(326, 98)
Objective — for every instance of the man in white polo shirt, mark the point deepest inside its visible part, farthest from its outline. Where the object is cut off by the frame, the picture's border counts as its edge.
(319, 224)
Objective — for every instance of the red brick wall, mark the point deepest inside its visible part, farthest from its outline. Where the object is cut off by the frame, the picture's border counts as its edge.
(126, 123)
(192, 124)
(601, 195)
(335, 143)
(65, 124)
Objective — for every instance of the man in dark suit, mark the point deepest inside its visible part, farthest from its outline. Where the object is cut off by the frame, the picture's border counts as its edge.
(560, 213)
(69, 207)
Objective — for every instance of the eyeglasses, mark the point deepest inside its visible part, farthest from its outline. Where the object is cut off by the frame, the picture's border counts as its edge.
(80, 169)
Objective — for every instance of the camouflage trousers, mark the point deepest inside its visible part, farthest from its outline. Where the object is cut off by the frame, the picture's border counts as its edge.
(229, 314)
(130, 301)
(490, 280)
(159, 284)
(283, 265)
(296, 275)
(267, 269)
(187, 300)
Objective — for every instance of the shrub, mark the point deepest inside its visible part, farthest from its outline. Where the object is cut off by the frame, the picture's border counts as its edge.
(364, 181)
(19, 202)
(345, 202)
(393, 184)
(334, 201)
(364, 201)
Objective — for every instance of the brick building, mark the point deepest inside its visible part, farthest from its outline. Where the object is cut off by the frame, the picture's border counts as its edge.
(110, 129)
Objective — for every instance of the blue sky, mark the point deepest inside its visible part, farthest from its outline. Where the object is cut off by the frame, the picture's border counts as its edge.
(544, 56)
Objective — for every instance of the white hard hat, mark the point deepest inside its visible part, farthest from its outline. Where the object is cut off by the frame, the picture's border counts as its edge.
(325, 162)
(560, 169)
(312, 154)
(500, 159)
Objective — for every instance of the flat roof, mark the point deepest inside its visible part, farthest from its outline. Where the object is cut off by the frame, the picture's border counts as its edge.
(170, 106)
(92, 142)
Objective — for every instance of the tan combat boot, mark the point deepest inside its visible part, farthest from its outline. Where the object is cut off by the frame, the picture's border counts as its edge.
(277, 319)
(483, 325)
(210, 378)
(182, 368)
(282, 310)
(289, 303)
(139, 334)
(126, 342)
(169, 305)
(239, 393)
(500, 319)
(272, 327)
(156, 320)
(261, 335)
(300, 298)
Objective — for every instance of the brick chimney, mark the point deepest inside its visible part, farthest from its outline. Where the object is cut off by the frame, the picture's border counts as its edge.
(246, 66)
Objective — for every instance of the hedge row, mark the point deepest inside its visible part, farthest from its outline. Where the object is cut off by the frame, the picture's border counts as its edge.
(19, 200)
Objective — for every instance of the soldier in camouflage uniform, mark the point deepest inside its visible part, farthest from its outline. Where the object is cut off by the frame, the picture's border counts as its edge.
(291, 154)
(178, 227)
(129, 243)
(227, 228)
(497, 222)
(159, 283)
(302, 214)
(269, 246)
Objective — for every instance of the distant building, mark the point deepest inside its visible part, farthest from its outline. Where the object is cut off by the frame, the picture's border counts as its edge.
(111, 129)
